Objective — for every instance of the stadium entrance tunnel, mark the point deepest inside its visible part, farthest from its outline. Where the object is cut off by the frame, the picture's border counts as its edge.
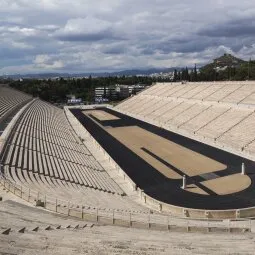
(156, 160)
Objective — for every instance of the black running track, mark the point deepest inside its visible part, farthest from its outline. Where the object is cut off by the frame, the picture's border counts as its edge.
(156, 184)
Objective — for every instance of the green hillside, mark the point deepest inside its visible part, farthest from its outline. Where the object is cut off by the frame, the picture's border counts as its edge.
(228, 67)
(223, 62)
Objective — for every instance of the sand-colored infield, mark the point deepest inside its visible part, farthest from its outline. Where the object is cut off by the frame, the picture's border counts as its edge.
(228, 184)
(186, 160)
(101, 115)
(193, 188)
(223, 185)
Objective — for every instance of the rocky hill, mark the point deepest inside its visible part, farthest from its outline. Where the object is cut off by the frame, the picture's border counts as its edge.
(223, 62)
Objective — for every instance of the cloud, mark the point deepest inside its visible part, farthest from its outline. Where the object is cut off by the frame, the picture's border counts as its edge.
(47, 62)
(85, 35)
(87, 29)
(233, 28)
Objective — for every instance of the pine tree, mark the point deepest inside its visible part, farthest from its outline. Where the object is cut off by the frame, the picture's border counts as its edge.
(175, 75)
(191, 75)
(249, 69)
(195, 73)
(179, 76)
(183, 74)
(187, 77)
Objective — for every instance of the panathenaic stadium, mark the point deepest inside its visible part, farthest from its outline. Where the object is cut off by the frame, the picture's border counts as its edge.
(168, 171)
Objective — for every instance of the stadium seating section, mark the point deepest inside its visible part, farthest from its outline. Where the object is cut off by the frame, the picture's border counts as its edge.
(220, 112)
(34, 231)
(11, 99)
(40, 151)
(44, 153)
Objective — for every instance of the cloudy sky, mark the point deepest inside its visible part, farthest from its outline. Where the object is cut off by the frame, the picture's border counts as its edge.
(108, 35)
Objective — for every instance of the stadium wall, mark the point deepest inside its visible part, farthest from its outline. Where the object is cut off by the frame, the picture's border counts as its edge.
(134, 220)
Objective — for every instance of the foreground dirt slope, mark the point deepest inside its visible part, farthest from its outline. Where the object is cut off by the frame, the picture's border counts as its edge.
(70, 236)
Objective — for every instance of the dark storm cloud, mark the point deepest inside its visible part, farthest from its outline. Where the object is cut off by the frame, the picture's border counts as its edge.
(234, 28)
(82, 37)
(114, 51)
(88, 37)
(185, 45)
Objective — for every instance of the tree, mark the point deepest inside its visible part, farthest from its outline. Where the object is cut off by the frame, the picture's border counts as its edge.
(175, 75)
(178, 76)
(195, 73)
(249, 71)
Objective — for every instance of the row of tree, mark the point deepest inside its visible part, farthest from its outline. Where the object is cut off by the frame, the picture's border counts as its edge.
(246, 71)
(186, 75)
(56, 91)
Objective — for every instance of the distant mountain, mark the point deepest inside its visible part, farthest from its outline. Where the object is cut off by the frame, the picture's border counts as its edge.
(131, 72)
(146, 71)
(221, 63)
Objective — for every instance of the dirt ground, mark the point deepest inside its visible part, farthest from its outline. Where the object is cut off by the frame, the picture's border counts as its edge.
(223, 185)
(188, 161)
(101, 115)
(228, 184)
(180, 159)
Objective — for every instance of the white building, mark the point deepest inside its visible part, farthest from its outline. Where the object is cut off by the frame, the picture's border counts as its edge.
(123, 91)
(106, 92)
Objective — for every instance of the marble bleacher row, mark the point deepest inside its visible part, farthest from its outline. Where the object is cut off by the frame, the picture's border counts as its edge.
(10, 99)
(44, 154)
(222, 112)
(73, 236)
(43, 143)
(74, 193)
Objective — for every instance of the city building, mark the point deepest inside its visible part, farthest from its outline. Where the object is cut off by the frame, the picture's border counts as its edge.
(106, 93)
